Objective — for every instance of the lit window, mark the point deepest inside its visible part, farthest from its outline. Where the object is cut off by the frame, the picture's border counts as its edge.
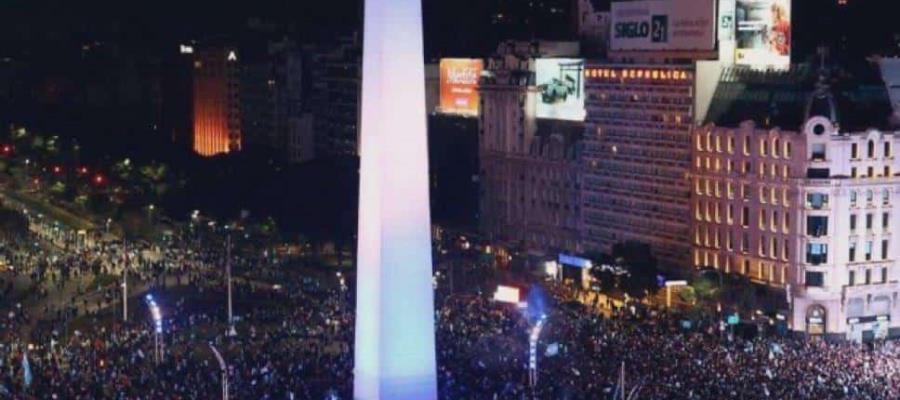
(763, 147)
(746, 145)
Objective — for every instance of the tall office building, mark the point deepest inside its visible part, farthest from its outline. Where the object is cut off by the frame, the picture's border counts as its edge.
(636, 157)
(177, 92)
(216, 105)
(794, 179)
(333, 97)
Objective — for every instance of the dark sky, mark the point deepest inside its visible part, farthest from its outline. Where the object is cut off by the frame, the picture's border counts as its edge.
(453, 27)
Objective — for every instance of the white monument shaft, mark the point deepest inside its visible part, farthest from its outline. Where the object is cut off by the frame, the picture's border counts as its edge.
(394, 351)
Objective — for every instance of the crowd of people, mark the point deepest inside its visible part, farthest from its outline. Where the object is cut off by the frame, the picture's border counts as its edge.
(294, 340)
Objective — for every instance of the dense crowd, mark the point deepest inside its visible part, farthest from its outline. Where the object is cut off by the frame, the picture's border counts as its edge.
(295, 341)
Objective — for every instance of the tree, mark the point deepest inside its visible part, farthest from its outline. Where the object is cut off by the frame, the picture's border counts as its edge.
(642, 268)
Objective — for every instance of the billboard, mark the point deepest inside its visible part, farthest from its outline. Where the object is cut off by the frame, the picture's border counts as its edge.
(561, 85)
(459, 85)
(507, 294)
(763, 33)
(663, 25)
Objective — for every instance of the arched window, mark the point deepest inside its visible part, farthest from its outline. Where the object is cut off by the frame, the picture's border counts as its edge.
(871, 149)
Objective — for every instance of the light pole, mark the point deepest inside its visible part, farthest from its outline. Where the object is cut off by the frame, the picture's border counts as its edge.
(156, 314)
(231, 330)
(224, 368)
(124, 281)
(532, 350)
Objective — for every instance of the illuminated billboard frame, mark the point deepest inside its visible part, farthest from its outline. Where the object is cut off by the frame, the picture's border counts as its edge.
(763, 33)
(560, 82)
(685, 25)
(459, 86)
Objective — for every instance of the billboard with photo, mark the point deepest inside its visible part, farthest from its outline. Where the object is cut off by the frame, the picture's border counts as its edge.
(459, 85)
(763, 33)
(663, 25)
(560, 82)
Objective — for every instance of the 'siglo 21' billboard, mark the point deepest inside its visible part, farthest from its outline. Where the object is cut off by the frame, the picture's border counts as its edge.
(763, 33)
(560, 82)
(459, 86)
(663, 25)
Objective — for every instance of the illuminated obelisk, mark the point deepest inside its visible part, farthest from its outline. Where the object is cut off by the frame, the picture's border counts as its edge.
(394, 352)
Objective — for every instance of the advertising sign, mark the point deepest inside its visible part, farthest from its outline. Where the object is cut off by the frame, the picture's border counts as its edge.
(663, 25)
(459, 85)
(574, 261)
(561, 85)
(763, 33)
(507, 294)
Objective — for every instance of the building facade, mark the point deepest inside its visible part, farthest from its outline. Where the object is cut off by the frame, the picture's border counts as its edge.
(529, 169)
(636, 157)
(335, 78)
(216, 105)
(808, 209)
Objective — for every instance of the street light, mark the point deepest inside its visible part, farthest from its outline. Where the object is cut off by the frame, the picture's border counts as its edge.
(224, 368)
(231, 330)
(532, 349)
(156, 314)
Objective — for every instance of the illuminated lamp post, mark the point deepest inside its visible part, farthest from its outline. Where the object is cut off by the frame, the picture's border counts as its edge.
(224, 367)
(156, 315)
(533, 338)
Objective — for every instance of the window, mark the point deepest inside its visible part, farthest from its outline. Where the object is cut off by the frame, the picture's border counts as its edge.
(870, 172)
(870, 196)
(854, 151)
(745, 217)
(853, 198)
(884, 277)
(786, 249)
(853, 172)
(851, 257)
(815, 279)
(730, 144)
(762, 246)
(869, 251)
(885, 196)
(885, 221)
(887, 149)
(816, 226)
(745, 242)
(763, 195)
(851, 280)
(852, 222)
(818, 152)
(787, 149)
(884, 249)
(870, 149)
(887, 171)
(816, 201)
(774, 247)
(869, 221)
(730, 214)
(775, 147)
(786, 226)
(746, 145)
(774, 221)
(816, 253)
(763, 147)
(762, 219)
(868, 276)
